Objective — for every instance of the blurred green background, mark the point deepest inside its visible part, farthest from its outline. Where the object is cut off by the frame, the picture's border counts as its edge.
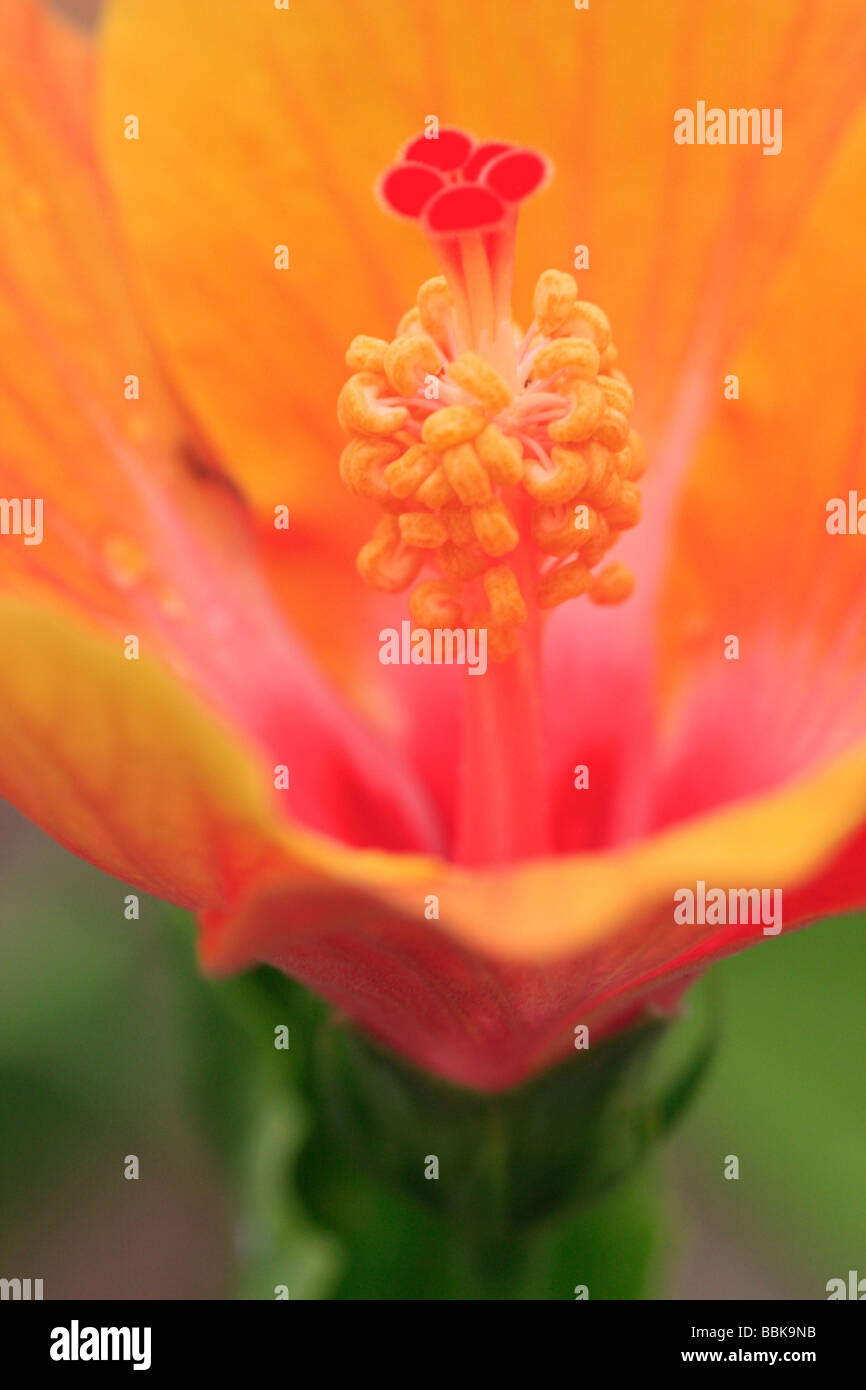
(103, 1022)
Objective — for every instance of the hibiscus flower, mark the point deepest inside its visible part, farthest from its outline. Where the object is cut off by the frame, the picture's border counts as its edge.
(192, 695)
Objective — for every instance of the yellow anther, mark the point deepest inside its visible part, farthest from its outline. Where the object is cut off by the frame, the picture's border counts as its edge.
(494, 528)
(617, 393)
(593, 529)
(410, 323)
(587, 409)
(436, 490)
(612, 430)
(466, 474)
(563, 583)
(454, 424)
(502, 457)
(624, 462)
(384, 562)
(543, 443)
(613, 584)
(458, 520)
(358, 408)
(434, 310)
(435, 603)
(554, 300)
(560, 483)
(554, 531)
(422, 529)
(631, 461)
(598, 544)
(366, 354)
(364, 464)
(588, 321)
(409, 359)
(460, 563)
(627, 510)
(503, 592)
(406, 474)
(603, 483)
(502, 642)
(481, 381)
(575, 355)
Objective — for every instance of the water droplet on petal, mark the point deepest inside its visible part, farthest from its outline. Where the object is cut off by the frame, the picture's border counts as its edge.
(125, 560)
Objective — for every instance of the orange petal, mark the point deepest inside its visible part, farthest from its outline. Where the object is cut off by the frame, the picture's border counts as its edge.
(88, 428)
(69, 340)
(249, 140)
(747, 555)
(685, 238)
(138, 537)
(753, 557)
(258, 352)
